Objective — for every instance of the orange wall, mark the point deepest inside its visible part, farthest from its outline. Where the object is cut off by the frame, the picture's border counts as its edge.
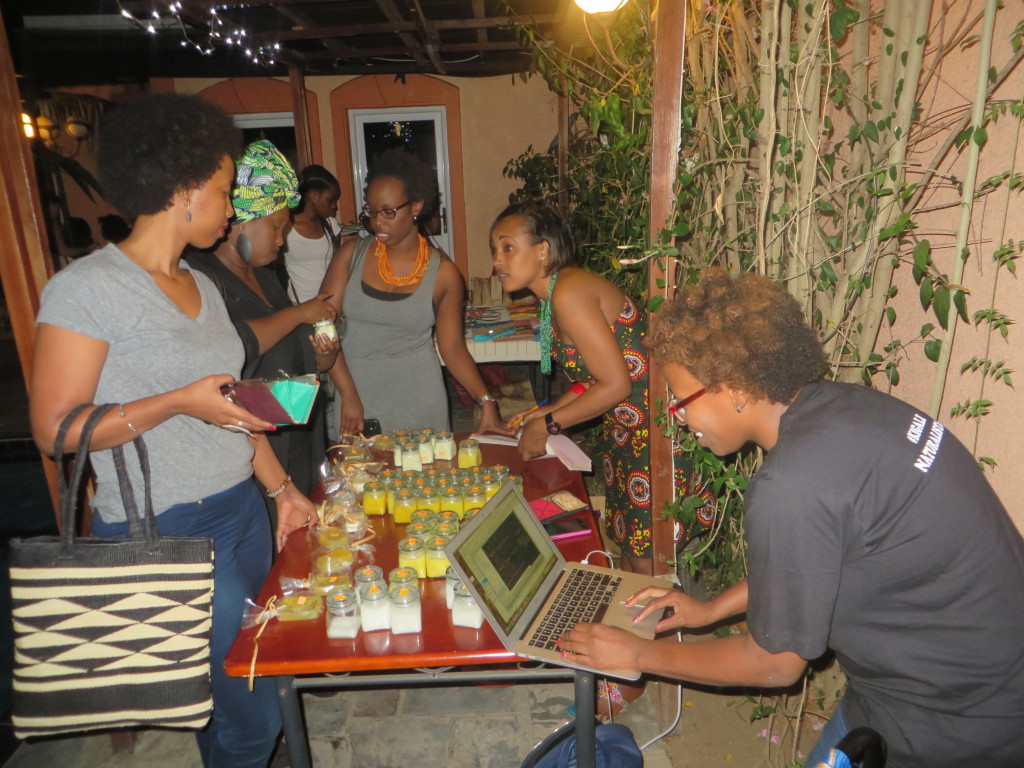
(995, 218)
(490, 121)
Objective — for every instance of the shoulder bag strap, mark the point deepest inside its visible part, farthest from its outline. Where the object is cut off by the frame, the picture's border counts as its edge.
(137, 527)
(68, 493)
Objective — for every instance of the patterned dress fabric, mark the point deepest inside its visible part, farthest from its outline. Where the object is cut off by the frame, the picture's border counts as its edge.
(626, 445)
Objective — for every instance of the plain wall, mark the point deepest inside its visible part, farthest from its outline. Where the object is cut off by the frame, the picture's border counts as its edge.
(995, 218)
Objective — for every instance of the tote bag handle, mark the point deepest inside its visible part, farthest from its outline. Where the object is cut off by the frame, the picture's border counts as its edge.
(68, 490)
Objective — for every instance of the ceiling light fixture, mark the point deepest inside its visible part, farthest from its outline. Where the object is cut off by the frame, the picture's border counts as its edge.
(600, 6)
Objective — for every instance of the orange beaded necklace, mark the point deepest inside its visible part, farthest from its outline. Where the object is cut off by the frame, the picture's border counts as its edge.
(418, 269)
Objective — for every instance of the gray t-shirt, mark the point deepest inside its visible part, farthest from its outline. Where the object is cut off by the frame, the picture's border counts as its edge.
(153, 348)
(874, 533)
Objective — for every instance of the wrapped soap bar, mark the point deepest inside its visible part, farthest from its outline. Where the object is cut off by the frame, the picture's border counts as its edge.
(302, 606)
(323, 584)
(334, 561)
(330, 537)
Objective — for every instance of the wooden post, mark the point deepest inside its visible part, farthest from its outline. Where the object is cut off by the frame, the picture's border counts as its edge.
(563, 149)
(300, 111)
(669, 19)
(665, 140)
(25, 263)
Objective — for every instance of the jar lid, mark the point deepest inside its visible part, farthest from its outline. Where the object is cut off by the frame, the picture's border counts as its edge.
(402, 575)
(373, 593)
(461, 590)
(438, 543)
(404, 595)
(370, 573)
(452, 574)
(450, 490)
(411, 543)
(342, 601)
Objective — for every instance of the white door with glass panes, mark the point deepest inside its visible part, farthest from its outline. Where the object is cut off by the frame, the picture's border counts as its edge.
(424, 131)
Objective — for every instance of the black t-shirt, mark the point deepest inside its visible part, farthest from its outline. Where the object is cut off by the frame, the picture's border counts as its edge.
(873, 532)
(299, 448)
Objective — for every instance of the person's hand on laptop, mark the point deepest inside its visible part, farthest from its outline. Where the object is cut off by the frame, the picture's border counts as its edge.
(684, 611)
(602, 647)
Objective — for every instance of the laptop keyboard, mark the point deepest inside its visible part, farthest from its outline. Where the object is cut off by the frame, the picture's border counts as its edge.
(584, 597)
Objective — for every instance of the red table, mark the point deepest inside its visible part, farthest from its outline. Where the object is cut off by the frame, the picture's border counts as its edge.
(291, 649)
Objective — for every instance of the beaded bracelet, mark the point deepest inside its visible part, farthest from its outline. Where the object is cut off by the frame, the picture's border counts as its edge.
(120, 412)
(280, 489)
(578, 388)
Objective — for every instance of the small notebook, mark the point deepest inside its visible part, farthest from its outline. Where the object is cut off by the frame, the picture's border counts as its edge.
(527, 591)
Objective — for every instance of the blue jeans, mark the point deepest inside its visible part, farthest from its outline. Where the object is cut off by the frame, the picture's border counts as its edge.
(244, 726)
(833, 732)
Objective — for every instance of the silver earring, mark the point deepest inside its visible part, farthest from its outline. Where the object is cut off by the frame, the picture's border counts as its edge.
(188, 211)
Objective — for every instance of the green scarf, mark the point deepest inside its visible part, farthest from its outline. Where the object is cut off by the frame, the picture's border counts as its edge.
(264, 182)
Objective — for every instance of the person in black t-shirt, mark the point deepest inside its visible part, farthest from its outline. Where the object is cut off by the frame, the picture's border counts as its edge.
(872, 532)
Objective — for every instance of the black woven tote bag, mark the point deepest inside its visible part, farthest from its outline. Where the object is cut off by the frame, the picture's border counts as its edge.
(110, 633)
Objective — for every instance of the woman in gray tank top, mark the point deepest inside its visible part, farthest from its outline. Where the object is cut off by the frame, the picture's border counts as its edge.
(395, 292)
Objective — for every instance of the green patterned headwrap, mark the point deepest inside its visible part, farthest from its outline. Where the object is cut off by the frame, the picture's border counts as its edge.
(265, 182)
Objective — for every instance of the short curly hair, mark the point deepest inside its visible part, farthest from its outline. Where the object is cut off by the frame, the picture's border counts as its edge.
(741, 331)
(545, 224)
(157, 144)
(419, 181)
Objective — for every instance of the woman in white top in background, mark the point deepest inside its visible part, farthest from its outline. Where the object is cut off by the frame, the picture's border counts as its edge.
(315, 232)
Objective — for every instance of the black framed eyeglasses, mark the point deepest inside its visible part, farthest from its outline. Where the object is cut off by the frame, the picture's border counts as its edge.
(387, 213)
(677, 407)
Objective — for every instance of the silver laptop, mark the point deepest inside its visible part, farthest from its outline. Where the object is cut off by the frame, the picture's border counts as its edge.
(528, 592)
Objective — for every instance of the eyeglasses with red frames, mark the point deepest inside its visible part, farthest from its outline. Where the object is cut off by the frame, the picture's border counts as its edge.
(388, 213)
(677, 408)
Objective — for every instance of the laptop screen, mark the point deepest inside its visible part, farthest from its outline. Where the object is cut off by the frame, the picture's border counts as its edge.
(505, 557)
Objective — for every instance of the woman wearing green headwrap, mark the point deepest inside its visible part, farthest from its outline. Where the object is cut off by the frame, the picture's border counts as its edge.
(275, 333)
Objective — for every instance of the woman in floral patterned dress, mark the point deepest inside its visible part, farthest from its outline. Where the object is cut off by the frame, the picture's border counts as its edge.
(597, 335)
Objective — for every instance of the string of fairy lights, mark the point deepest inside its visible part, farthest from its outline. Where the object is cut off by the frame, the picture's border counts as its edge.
(219, 33)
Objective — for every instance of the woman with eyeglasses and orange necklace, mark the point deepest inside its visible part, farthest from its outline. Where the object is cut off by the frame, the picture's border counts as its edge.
(395, 291)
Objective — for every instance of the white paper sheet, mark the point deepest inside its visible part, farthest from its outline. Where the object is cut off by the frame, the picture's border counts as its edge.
(559, 446)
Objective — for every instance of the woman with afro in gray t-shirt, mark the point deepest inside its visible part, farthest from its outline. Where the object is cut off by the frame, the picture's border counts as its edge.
(131, 324)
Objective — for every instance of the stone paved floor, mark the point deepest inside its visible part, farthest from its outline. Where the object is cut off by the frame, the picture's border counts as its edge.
(464, 726)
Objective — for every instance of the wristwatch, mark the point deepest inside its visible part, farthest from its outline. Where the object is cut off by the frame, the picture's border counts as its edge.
(554, 428)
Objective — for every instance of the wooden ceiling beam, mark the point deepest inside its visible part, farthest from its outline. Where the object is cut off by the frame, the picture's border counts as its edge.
(391, 12)
(369, 53)
(303, 19)
(432, 40)
(478, 13)
(392, 27)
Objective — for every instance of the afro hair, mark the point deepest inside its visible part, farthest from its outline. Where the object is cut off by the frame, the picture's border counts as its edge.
(745, 332)
(157, 144)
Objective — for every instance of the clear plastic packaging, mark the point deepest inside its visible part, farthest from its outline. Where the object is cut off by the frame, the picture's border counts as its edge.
(301, 606)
